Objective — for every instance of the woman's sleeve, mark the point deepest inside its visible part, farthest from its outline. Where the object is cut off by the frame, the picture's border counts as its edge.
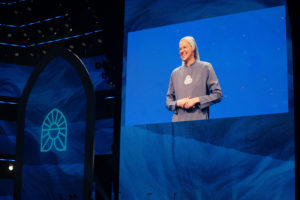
(171, 97)
(214, 90)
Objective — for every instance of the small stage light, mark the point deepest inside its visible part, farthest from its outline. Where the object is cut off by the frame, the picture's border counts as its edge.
(11, 167)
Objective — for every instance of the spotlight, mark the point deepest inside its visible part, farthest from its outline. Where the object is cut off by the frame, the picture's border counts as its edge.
(31, 54)
(25, 34)
(67, 25)
(39, 31)
(83, 44)
(99, 40)
(51, 28)
(29, 8)
(44, 52)
(9, 35)
(11, 167)
(71, 46)
(17, 54)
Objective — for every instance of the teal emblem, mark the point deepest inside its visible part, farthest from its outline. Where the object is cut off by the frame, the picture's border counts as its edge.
(54, 131)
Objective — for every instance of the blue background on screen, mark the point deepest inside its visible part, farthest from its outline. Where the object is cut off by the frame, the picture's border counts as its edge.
(52, 174)
(247, 51)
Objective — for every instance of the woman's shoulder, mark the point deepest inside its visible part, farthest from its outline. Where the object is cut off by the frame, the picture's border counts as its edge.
(204, 64)
(177, 69)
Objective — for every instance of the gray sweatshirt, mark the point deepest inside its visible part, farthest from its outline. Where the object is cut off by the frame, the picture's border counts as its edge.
(198, 80)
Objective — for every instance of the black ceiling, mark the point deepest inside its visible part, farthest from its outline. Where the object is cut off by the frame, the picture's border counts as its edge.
(29, 28)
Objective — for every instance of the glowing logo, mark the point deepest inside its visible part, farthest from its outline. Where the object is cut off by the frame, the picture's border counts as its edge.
(54, 131)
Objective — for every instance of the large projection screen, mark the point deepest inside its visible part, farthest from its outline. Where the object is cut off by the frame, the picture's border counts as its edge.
(245, 150)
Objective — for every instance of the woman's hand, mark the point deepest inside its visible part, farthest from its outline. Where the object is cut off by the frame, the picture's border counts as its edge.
(181, 102)
(191, 102)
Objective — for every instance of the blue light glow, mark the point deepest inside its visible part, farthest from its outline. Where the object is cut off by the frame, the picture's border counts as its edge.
(110, 97)
(12, 45)
(37, 22)
(8, 25)
(9, 160)
(8, 102)
(10, 3)
(51, 41)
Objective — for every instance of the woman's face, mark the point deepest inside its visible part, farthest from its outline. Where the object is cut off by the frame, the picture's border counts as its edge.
(186, 51)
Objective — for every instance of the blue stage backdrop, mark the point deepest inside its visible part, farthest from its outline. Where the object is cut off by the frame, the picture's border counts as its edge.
(58, 128)
(6, 189)
(246, 149)
(7, 137)
(95, 72)
(234, 158)
(13, 79)
(104, 131)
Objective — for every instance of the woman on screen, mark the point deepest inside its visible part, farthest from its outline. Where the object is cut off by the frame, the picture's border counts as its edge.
(193, 86)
